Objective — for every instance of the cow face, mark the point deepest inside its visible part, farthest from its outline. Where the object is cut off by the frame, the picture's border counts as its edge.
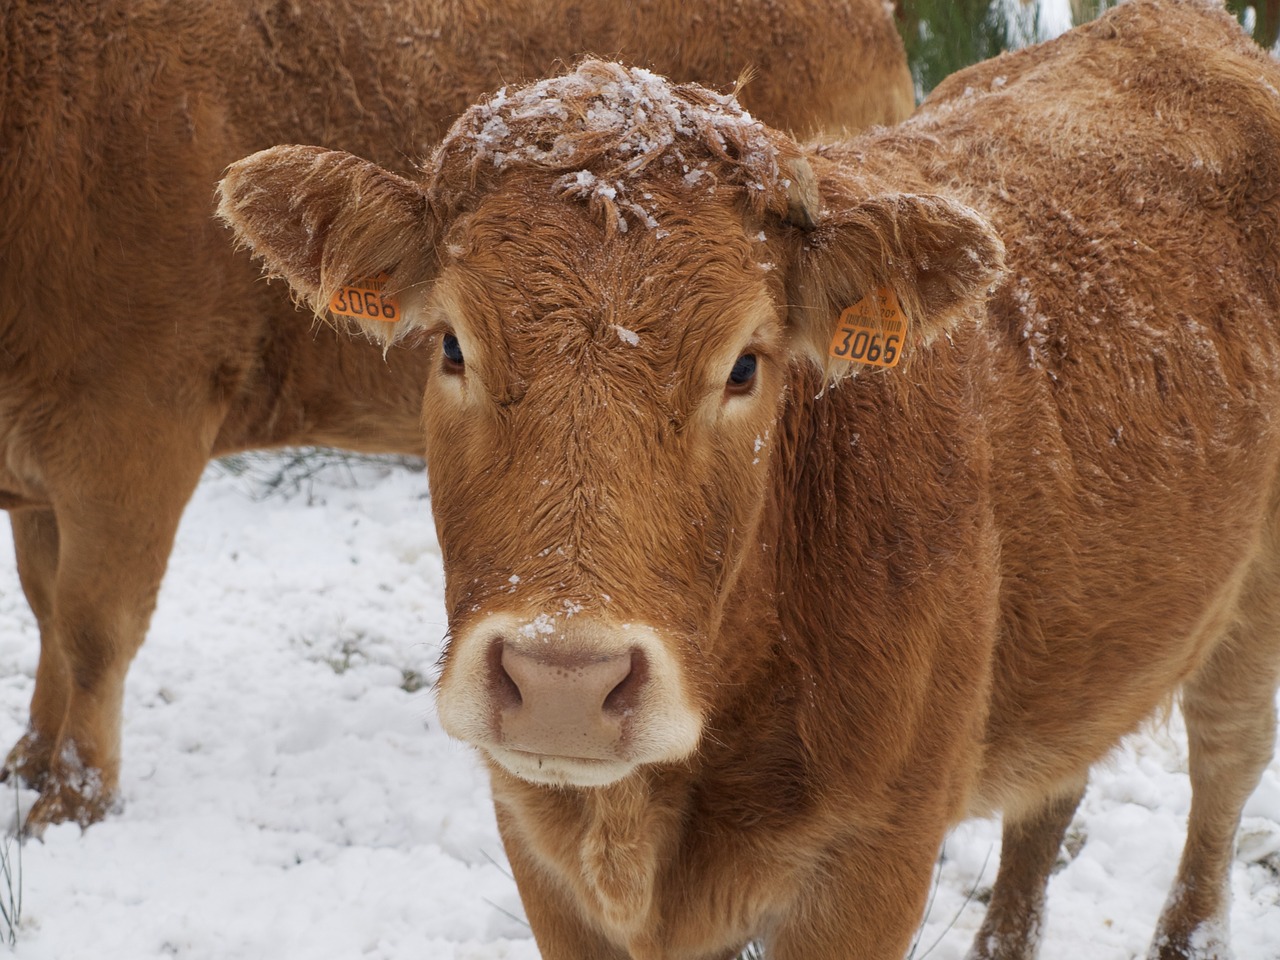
(602, 407)
(613, 277)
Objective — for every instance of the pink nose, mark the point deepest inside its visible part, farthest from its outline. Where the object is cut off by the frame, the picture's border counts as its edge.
(564, 704)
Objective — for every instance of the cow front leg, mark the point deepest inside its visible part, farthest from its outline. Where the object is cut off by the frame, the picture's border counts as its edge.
(864, 903)
(1012, 928)
(35, 541)
(112, 549)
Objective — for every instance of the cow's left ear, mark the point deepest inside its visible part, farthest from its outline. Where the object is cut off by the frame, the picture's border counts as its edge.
(329, 222)
(937, 255)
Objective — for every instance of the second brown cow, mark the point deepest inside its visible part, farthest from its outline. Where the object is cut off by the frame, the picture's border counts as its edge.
(135, 344)
(740, 635)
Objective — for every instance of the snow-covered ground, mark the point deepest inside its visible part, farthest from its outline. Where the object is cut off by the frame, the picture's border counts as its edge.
(288, 792)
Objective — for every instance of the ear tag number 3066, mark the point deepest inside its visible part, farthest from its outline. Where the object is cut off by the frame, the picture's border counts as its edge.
(871, 332)
(366, 299)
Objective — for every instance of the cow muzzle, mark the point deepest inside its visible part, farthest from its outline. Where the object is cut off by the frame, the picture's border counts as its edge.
(567, 701)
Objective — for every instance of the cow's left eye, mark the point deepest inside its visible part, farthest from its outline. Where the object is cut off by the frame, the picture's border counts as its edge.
(743, 375)
(452, 350)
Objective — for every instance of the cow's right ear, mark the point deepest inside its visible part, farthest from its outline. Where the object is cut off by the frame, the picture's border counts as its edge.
(324, 220)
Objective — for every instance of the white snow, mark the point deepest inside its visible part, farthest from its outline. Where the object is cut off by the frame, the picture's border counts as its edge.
(619, 120)
(629, 337)
(634, 105)
(1054, 18)
(542, 625)
(288, 792)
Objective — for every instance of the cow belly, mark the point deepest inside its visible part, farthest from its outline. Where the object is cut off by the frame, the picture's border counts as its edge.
(1052, 720)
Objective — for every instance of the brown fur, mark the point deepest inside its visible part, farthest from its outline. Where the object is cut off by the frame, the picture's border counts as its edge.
(134, 344)
(886, 601)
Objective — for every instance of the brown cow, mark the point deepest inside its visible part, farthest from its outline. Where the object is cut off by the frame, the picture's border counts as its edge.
(741, 635)
(134, 345)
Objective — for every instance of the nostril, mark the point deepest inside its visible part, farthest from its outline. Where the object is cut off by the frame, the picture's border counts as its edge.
(563, 681)
(623, 698)
(506, 691)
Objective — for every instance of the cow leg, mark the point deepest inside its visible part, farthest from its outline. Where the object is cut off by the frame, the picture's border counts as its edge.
(35, 540)
(1015, 916)
(112, 546)
(1229, 707)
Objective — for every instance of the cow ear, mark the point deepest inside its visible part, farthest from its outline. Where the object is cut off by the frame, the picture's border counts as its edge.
(936, 255)
(326, 221)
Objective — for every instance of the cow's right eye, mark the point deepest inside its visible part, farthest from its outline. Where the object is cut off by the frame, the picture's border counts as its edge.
(452, 351)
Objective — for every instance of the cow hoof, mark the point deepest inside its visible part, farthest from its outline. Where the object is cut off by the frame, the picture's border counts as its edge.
(1203, 943)
(66, 804)
(30, 761)
(72, 792)
(995, 947)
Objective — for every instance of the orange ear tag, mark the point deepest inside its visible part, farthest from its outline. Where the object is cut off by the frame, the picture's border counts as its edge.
(872, 331)
(364, 299)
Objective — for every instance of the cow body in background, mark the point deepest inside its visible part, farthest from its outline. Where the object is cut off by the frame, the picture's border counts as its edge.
(135, 345)
(740, 635)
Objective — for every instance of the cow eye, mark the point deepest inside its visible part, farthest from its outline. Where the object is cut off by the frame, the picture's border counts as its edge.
(743, 375)
(452, 351)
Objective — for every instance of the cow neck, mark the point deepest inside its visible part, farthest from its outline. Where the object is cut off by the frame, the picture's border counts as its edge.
(606, 845)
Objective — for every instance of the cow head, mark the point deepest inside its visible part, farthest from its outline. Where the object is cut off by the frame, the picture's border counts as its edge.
(612, 277)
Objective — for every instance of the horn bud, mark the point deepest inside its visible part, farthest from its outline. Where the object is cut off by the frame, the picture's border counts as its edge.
(803, 199)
